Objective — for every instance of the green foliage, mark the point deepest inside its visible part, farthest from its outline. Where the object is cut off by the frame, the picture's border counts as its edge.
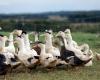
(86, 27)
(42, 25)
(39, 25)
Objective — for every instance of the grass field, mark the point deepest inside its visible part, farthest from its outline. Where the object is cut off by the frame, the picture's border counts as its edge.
(81, 73)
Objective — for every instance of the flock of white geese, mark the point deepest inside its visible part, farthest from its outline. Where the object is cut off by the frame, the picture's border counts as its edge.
(57, 50)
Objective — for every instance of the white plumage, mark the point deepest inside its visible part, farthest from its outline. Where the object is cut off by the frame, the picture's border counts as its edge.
(69, 46)
(8, 54)
(24, 55)
(46, 59)
(49, 46)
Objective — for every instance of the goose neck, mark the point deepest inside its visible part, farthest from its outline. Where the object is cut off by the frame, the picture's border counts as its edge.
(49, 41)
(21, 44)
(42, 50)
(3, 46)
(11, 43)
(11, 40)
(26, 40)
(65, 42)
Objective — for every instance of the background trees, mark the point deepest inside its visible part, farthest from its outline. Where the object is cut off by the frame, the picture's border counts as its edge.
(77, 21)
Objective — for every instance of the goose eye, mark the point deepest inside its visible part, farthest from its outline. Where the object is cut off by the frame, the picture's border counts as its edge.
(58, 57)
(84, 54)
(82, 50)
(47, 57)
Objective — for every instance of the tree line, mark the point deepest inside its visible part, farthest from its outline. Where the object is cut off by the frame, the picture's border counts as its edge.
(72, 16)
(86, 21)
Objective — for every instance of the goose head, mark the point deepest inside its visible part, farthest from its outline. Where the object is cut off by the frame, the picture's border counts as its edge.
(61, 34)
(3, 38)
(24, 34)
(48, 34)
(17, 32)
(18, 39)
(67, 31)
(49, 31)
(68, 34)
(90, 54)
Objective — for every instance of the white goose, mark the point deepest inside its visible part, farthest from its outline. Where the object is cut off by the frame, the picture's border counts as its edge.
(46, 59)
(68, 33)
(76, 51)
(27, 43)
(26, 40)
(49, 46)
(24, 55)
(9, 56)
(83, 47)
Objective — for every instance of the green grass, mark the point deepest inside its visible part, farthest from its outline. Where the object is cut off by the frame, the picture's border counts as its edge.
(81, 73)
(91, 39)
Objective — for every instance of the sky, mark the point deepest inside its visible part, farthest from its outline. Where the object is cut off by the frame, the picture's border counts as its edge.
(38, 6)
